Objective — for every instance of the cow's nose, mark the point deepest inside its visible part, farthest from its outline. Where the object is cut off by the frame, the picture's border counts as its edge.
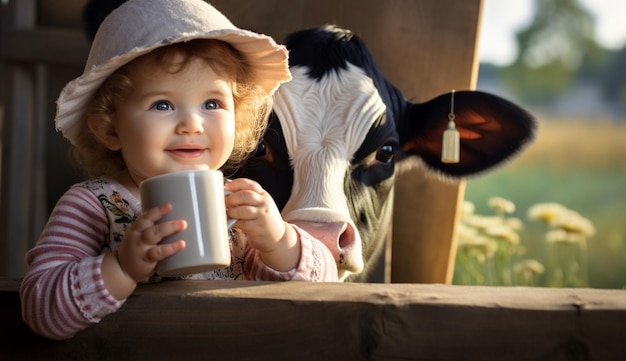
(339, 237)
(336, 231)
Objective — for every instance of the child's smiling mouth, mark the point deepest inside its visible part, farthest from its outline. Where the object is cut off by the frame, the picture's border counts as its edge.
(187, 152)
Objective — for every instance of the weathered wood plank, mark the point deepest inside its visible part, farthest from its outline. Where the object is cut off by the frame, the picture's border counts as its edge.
(45, 45)
(326, 321)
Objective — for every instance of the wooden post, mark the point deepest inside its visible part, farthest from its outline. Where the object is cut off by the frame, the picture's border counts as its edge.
(20, 151)
(427, 209)
(36, 63)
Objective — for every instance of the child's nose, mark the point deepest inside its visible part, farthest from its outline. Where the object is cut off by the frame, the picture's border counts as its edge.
(190, 123)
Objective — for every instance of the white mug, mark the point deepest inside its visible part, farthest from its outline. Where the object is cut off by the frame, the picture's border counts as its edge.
(198, 198)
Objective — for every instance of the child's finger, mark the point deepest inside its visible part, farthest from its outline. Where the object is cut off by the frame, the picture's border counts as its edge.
(160, 252)
(153, 235)
(151, 216)
(240, 184)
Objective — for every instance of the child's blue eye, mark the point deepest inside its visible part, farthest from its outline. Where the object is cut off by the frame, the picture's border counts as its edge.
(211, 104)
(162, 105)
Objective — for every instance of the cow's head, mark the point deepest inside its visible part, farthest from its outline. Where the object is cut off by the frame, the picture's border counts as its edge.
(339, 132)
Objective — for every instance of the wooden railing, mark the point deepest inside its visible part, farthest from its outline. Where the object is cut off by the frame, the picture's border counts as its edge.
(212, 320)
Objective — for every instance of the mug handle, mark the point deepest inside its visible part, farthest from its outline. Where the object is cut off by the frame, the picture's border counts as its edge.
(229, 221)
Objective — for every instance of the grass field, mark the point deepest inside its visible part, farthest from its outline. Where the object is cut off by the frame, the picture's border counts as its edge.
(580, 164)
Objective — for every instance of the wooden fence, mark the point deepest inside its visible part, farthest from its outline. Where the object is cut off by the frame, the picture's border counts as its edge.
(238, 320)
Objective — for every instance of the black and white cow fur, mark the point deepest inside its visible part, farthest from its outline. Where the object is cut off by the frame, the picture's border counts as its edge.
(340, 131)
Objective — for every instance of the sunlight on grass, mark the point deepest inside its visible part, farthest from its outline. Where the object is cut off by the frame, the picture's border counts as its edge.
(580, 165)
(576, 144)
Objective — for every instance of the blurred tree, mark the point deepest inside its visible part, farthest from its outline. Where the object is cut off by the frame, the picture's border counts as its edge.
(614, 79)
(555, 45)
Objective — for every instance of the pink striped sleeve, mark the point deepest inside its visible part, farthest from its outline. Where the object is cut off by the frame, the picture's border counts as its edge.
(316, 264)
(63, 291)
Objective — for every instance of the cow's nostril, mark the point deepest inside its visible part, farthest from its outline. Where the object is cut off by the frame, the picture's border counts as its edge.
(339, 237)
(346, 238)
(363, 220)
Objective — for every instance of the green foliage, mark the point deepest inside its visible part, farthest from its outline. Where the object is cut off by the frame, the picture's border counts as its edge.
(554, 51)
(562, 31)
(539, 85)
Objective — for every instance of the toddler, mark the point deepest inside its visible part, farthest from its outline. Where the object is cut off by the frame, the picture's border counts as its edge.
(168, 86)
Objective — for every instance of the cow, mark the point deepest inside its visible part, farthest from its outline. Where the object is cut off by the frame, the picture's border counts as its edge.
(340, 133)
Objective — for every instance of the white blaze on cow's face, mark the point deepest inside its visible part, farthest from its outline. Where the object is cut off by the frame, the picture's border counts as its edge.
(324, 123)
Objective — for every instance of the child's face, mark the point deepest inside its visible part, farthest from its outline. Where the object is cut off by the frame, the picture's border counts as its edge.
(173, 122)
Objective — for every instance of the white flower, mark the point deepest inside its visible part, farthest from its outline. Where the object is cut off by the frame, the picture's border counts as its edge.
(504, 233)
(501, 205)
(572, 222)
(481, 222)
(528, 268)
(562, 236)
(515, 224)
(546, 212)
(479, 247)
(467, 208)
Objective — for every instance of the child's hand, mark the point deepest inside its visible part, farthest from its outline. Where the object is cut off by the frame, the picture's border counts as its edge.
(139, 252)
(258, 216)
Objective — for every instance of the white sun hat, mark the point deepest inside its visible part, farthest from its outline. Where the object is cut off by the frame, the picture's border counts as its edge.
(140, 26)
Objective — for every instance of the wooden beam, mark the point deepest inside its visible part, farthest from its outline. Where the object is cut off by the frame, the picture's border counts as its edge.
(45, 45)
(199, 320)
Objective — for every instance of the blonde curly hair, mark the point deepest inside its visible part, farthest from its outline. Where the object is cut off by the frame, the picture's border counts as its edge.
(252, 104)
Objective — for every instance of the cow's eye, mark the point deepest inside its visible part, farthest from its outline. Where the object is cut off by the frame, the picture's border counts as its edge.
(385, 154)
(260, 150)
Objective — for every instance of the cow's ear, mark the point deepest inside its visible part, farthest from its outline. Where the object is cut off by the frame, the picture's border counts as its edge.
(492, 130)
